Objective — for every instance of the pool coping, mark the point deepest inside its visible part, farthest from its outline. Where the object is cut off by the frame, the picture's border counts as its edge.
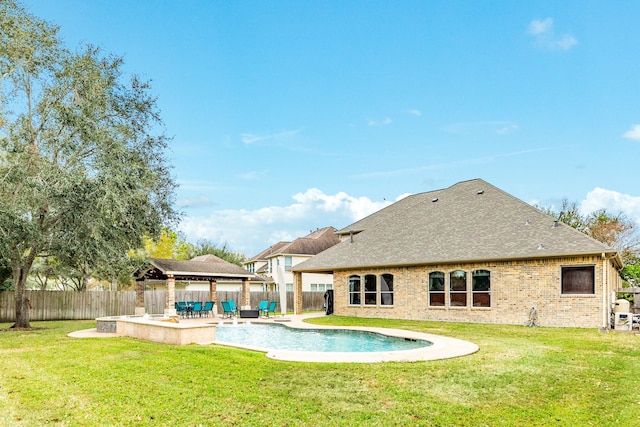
(442, 347)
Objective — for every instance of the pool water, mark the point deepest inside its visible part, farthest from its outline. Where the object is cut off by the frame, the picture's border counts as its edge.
(279, 337)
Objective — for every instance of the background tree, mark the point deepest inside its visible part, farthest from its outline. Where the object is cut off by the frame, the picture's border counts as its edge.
(43, 271)
(569, 214)
(5, 274)
(204, 247)
(169, 245)
(617, 231)
(83, 176)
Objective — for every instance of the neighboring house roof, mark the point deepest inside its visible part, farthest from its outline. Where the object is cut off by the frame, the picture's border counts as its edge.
(311, 244)
(469, 221)
(262, 256)
(201, 267)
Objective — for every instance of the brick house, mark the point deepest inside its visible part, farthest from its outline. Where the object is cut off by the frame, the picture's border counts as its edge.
(468, 253)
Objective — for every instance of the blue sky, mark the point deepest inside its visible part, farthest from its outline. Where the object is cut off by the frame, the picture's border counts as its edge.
(287, 116)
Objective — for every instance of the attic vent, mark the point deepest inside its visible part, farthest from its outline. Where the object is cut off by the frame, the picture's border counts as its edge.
(540, 247)
(351, 236)
(527, 222)
(434, 199)
(480, 192)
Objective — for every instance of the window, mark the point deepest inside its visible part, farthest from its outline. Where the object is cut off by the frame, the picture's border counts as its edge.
(436, 289)
(329, 286)
(354, 290)
(287, 263)
(271, 266)
(386, 289)
(481, 288)
(578, 280)
(370, 290)
(458, 288)
(289, 287)
(314, 287)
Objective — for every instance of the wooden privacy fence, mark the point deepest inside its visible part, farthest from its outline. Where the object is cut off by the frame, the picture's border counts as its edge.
(68, 305)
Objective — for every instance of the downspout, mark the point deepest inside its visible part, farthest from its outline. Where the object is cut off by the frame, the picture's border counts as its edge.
(605, 311)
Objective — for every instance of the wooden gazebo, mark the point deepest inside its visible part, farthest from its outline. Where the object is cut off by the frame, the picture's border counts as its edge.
(201, 269)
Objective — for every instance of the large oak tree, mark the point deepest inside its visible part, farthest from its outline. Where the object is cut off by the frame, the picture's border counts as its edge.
(83, 174)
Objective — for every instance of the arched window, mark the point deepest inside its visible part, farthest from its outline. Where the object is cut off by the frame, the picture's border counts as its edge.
(458, 288)
(370, 290)
(481, 288)
(354, 290)
(436, 289)
(386, 289)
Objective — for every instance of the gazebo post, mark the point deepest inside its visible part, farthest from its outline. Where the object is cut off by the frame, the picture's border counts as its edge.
(246, 296)
(139, 309)
(297, 292)
(213, 294)
(170, 299)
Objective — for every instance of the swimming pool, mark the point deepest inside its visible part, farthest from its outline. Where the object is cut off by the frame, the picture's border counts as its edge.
(440, 347)
(280, 337)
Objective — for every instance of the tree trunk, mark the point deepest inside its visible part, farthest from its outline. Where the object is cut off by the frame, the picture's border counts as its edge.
(22, 303)
(20, 269)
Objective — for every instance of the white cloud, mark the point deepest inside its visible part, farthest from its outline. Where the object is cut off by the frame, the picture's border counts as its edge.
(545, 37)
(253, 175)
(540, 27)
(194, 202)
(497, 126)
(415, 112)
(251, 231)
(252, 138)
(633, 133)
(511, 127)
(565, 42)
(613, 202)
(384, 122)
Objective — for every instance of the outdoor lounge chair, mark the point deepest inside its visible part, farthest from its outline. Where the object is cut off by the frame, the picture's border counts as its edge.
(263, 307)
(208, 308)
(272, 308)
(196, 309)
(181, 308)
(227, 312)
(232, 306)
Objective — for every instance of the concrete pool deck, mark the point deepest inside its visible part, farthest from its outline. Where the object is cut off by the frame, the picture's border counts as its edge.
(441, 348)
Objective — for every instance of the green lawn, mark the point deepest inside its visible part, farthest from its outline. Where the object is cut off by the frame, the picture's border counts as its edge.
(520, 377)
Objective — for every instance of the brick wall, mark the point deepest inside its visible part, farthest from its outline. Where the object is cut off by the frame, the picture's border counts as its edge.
(516, 287)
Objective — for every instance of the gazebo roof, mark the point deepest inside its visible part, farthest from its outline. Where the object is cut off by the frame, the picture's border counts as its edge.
(202, 268)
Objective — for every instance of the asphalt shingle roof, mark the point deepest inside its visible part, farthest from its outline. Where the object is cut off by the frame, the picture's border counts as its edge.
(469, 221)
(311, 244)
(205, 266)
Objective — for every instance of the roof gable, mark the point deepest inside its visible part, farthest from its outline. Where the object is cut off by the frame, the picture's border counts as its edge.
(206, 266)
(469, 221)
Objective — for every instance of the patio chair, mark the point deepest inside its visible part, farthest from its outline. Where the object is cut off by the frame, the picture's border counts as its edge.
(272, 308)
(196, 309)
(181, 308)
(208, 308)
(263, 307)
(232, 306)
(190, 308)
(226, 310)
